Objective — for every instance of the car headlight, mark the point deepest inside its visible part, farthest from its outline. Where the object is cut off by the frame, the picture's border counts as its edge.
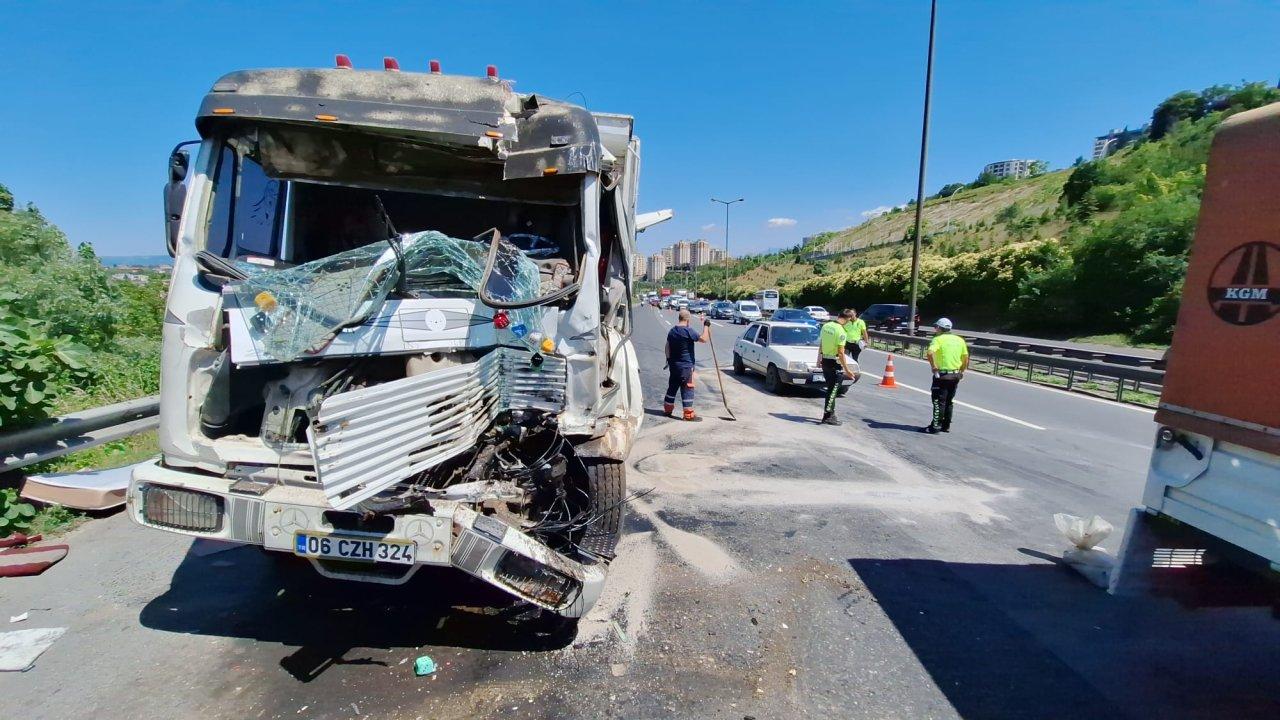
(798, 366)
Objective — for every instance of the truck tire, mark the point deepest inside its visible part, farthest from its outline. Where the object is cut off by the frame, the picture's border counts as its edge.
(605, 486)
(739, 367)
(772, 382)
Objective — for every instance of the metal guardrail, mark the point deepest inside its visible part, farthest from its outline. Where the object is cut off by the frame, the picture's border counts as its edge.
(1076, 374)
(78, 431)
(1048, 347)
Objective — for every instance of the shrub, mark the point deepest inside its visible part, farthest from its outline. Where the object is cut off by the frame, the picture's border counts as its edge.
(33, 368)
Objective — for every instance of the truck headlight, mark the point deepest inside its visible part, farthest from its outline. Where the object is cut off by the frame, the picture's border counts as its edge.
(798, 366)
(181, 509)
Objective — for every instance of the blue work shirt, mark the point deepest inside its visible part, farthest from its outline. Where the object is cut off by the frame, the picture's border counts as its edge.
(680, 342)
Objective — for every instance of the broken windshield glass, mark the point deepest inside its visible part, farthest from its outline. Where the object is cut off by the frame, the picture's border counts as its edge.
(300, 309)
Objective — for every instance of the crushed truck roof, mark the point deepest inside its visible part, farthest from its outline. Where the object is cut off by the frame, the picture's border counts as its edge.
(530, 135)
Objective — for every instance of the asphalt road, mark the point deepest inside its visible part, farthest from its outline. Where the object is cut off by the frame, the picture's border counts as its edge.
(778, 569)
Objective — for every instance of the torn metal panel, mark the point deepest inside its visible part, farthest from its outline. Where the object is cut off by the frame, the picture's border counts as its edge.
(517, 563)
(367, 440)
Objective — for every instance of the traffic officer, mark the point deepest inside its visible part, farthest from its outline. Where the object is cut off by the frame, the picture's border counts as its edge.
(856, 331)
(948, 357)
(680, 342)
(831, 344)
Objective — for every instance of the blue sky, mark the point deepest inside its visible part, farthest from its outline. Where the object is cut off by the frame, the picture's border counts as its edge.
(809, 110)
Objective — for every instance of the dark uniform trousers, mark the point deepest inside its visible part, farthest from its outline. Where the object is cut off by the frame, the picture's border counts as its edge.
(853, 350)
(680, 380)
(943, 392)
(831, 373)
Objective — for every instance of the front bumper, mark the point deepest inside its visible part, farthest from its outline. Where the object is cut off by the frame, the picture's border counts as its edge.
(455, 535)
(808, 377)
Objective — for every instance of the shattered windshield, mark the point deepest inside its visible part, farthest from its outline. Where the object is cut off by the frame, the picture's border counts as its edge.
(300, 309)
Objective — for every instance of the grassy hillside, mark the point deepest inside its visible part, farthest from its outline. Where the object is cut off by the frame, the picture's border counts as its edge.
(1097, 249)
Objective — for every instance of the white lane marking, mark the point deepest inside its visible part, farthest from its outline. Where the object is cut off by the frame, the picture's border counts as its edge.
(1059, 391)
(961, 403)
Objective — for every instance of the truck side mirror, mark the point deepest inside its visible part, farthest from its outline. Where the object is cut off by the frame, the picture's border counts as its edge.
(175, 194)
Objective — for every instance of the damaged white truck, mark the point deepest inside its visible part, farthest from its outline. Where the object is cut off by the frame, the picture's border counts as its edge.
(398, 332)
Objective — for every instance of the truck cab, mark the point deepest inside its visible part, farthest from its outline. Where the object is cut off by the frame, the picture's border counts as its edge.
(398, 330)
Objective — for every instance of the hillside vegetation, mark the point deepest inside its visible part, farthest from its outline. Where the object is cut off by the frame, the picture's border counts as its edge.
(70, 336)
(1099, 248)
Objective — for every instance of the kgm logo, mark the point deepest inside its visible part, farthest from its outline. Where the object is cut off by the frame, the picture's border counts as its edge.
(1241, 290)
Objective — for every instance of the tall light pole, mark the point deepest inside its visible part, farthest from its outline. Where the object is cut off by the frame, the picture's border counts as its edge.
(924, 154)
(726, 204)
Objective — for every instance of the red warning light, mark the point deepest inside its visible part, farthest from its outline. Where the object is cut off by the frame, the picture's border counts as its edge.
(342, 62)
(500, 320)
(492, 72)
(390, 64)
(435, 67)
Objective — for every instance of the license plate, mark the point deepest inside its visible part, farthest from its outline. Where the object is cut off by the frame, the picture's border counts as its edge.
(351, 548)
(817, 377)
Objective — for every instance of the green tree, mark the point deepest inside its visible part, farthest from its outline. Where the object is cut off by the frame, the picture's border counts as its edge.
(1185, 105)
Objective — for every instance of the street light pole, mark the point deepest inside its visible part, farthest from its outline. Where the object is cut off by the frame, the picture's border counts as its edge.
(924, 154)
(726, 204)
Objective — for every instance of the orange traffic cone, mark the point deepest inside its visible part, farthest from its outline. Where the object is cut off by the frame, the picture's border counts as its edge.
(887, 380)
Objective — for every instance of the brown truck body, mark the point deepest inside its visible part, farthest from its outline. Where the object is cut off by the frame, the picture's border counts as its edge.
(1223, 376)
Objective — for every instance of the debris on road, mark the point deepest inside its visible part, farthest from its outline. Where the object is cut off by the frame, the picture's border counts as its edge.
(424, 665)
(1094, 563)
(19, 618)
(92, 490)
(18, 559)
(19, 649)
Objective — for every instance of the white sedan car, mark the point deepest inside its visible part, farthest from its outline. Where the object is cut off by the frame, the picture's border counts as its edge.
(785, 353)
(817, 312)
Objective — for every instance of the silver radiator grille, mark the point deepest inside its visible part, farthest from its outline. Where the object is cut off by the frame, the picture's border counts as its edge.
(246, 519)
(369, 439)
(471, 550)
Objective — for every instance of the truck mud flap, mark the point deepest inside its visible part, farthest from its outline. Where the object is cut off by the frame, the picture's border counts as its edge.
(504, 557)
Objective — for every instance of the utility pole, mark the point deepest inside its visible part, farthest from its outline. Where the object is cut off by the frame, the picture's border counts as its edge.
(924, 155)
(726, 204)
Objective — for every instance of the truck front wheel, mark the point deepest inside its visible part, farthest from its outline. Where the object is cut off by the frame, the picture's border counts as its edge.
(605, 486)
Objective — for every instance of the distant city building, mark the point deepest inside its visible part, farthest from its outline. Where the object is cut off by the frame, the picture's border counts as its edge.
(701, 253)
(682, 254)
(1104, 145)
(638, 266)
(717, 255)
(656, 268)
(1009, 168)
(668, 256)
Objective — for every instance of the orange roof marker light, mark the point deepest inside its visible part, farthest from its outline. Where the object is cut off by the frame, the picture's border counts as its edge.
(390, 64)
(493, 134)
(224, 111)
(435, 67)
(550, 171)
(342, 62)
(327, 118)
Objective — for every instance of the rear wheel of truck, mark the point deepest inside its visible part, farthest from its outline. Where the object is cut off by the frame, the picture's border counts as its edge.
(605, 486)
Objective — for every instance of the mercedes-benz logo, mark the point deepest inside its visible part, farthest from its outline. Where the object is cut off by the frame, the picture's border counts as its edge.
(1241, 290)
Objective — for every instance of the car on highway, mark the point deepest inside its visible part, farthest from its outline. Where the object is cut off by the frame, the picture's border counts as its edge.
(680, 303)
(795, 315)
(721, 310)
(700, 306)
(817, 312)
(745, 311)
(786, 353)
(887, 315)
